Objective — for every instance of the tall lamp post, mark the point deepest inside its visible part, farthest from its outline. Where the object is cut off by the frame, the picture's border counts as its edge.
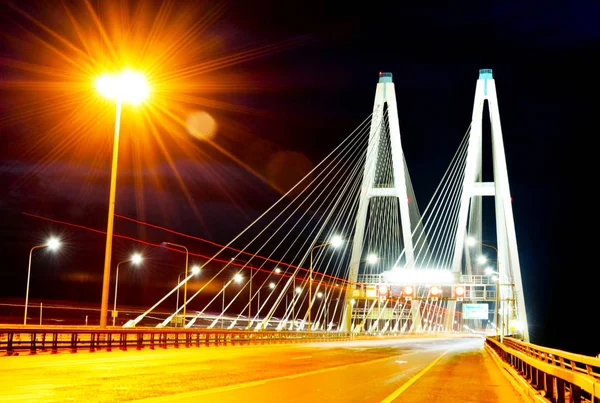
(186, 275)
(489, 271)
(195, 270)
(335, 242)
(136, 259)
(52, 244)
(237, 278)
(472, 241)
(125, 87)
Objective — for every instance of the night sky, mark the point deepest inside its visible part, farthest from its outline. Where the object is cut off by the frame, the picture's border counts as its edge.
(279, 113)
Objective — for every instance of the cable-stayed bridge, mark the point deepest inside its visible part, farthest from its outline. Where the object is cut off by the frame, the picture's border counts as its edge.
(345, 255)
(354, 252)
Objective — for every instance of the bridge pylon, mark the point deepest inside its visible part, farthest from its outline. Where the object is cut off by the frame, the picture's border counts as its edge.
(384, 121)
(509, 285)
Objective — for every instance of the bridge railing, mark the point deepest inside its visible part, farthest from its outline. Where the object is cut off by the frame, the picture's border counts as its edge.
(558, 375)
(53, 340)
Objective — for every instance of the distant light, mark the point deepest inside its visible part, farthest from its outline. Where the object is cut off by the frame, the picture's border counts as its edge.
(53, 244)
(372, 259)
(489, 270)
(136, 258)
(277, 270)
(435, 290)
(195, 269)
(470, 241)
(459, 291)
(298, 290)
(128, 86)
(383, 289)
(408, 290)
(336, 241)
(271, 285)
(238, 277)
(319, 295)
(352, 302)
(481, 259)
(418, 276)
(494, 278)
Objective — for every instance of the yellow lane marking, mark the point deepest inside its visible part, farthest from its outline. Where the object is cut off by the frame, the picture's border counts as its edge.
(220, 389)
(301, 358)
(412, 380)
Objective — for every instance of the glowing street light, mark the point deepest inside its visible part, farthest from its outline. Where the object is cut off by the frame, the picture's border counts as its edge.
(136, 259)
(52, 244)
(335, 241)
(372, 259)
(126, 87)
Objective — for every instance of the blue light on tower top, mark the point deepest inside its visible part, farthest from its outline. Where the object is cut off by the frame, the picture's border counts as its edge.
(385, 77)
(485, 73)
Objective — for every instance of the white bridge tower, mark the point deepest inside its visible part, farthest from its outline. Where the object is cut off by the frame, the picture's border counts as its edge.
(510, 298)
(385, 96)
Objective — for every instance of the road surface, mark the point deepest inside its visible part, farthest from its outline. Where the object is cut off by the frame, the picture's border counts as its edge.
(383, 370)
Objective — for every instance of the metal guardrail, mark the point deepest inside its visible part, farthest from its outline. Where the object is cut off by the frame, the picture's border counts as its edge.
(560, 376)
(53, 340)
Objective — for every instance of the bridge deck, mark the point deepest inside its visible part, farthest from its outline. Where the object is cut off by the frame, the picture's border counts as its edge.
(411, 369)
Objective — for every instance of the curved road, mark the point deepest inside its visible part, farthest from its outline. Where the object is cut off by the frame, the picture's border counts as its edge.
(380, 370)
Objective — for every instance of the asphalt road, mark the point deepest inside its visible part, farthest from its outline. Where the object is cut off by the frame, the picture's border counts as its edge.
(385, 370)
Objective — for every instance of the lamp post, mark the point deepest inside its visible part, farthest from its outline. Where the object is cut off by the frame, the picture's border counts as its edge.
(130, 87)
(186, 275)
(271, 286)
(195, 270)
(335, 242)
(136, 258)
(471, 241)
(237, 278)
(52, 244)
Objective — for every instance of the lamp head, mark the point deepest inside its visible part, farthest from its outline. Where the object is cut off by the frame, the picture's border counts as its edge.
(336, 241)
(372, 259)
(53, 244)
(195, 270)
(136, 258)
(128, 86)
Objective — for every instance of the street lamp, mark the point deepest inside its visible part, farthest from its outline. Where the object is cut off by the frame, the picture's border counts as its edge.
(186, 275)
(195, 270)
(136, 259)
(126, 87)
(237, 278)
(335, 241)
(52, 244)
(489, 271)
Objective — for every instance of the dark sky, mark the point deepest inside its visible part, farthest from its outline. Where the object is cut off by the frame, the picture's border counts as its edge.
(280, 113)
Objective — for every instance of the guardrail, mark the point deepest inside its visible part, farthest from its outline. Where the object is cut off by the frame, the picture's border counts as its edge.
(53, 340)
(558, 375)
